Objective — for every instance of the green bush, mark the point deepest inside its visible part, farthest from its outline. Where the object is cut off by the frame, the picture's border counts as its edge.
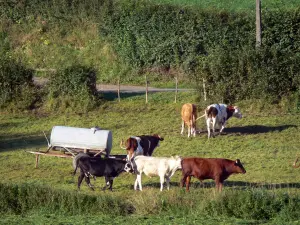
(73, 88)
(16, 85)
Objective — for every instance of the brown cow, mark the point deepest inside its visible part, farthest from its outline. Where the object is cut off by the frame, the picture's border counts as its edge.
(209, 168)
(141, 145)
(188, 116)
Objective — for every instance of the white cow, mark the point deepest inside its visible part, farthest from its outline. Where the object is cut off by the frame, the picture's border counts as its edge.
(156, 166)
(218, 114)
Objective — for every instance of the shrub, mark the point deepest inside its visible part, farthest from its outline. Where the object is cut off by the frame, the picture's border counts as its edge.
(16, 85)
(73, 88)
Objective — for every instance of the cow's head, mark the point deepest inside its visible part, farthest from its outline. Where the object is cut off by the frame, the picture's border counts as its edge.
(178, 160)
(128, 167)
(159, 138)
(237, 112)
(130, 146)
(239, 168)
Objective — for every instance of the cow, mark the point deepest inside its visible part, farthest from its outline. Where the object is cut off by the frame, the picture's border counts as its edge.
(156, 166)
(141, 145)
(97, 167)
(217, 115)
(217, 169)
(188, 116)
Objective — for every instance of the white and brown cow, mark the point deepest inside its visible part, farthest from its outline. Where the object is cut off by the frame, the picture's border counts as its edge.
(141, 145)
(218, 114)
(188, 116)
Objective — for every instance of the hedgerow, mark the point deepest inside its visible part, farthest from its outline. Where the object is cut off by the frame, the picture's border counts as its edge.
(73, 88)
(212, 45)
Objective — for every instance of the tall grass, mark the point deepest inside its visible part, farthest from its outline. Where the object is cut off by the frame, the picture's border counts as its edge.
(248, 204)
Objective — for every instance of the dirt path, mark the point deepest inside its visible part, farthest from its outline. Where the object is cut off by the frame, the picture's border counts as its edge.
(40, 81)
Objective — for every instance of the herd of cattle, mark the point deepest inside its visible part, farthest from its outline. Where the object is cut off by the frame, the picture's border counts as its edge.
(140, 149)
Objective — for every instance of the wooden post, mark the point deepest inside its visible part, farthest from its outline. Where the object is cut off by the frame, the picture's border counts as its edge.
(146, 88)
(119, 90)
(258, 23)
(204, 90)
(176, 91)
(37, 157)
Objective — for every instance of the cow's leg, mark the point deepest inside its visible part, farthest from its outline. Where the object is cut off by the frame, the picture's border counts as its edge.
(214, 122)
(223, 126)
(107, 183)
(80, 178)
(110, 183)
(208, 121)
(187, 183)
(162, 180)
(139, 178)
(182, 127)
(219, 184)
(87, 180)
(168, 182)
(183, 180)
(138, 181)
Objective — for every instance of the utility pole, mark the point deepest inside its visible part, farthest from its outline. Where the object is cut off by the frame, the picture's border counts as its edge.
(258, 23)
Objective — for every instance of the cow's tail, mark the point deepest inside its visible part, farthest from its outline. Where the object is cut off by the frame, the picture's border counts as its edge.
(294, 164)
(76, 159)
(122, 143)
(201, 116)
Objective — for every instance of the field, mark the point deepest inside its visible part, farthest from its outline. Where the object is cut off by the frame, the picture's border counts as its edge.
(266, 140)
(234, 5)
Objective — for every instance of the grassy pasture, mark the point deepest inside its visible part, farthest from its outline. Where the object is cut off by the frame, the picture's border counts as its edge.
(266, 140)
(234, 5)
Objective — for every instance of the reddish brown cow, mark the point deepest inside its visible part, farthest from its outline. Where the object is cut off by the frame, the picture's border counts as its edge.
(209, 168)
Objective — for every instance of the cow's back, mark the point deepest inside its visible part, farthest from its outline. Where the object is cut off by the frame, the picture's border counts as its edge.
(106, 167)
(188, 111)
(156, 165)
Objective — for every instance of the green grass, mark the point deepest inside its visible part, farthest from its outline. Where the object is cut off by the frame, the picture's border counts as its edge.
(234, 5)
(266, 140)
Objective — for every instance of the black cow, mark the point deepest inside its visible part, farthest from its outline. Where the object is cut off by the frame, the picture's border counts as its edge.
(97, 167)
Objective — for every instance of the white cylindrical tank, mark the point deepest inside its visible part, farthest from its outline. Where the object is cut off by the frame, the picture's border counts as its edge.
(81, 138)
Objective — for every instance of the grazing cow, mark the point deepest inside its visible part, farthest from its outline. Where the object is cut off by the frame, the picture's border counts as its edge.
(209, 168)
(188, 116)
(141, 145)
(156, 166)
(97, 167)
(218, 114)
(295, 163)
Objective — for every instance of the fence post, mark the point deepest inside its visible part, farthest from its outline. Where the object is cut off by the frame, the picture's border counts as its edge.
(204, 90)
(176, 90)
(258, 23)
(146, 88)
(119, 90)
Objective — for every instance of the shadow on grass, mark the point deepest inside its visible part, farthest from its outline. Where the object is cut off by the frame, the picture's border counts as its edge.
(15, 142)
(241, 185)
(111, 96)
(257, 129)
